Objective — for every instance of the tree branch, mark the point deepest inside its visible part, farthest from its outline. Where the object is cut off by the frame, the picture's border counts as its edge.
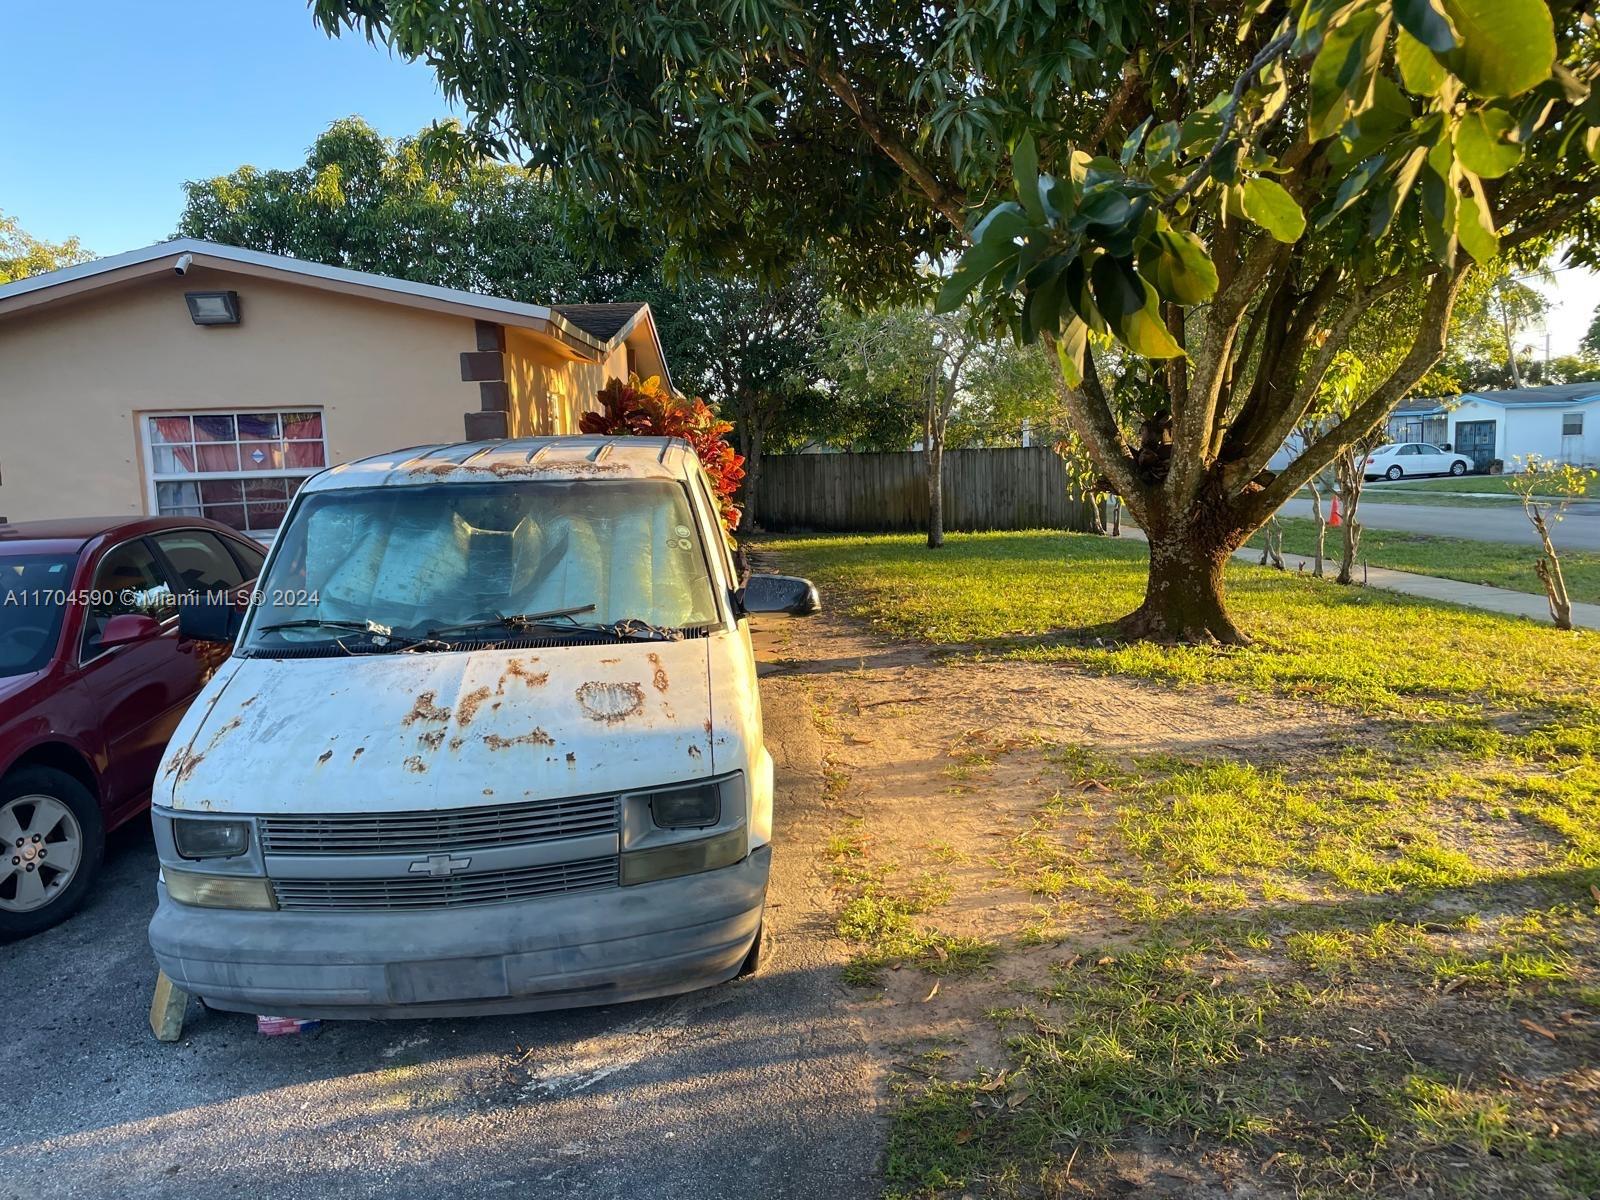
(950, 202)
(1426, 349)
(1273, 49)
(1094, 423)
(1258, 450)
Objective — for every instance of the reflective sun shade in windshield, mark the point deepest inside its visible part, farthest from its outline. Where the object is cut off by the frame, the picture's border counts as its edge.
(415, 558)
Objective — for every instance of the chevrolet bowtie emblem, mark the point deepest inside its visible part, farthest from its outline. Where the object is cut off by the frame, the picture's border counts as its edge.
(439, 865)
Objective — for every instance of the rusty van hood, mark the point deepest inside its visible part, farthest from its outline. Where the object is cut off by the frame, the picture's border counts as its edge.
(445, 730)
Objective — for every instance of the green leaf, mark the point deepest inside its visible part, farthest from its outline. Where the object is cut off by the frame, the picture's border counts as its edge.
(1162, 143)
(1118, 289)
(1130, 145)
(1351, 188)
(1001, 224)
(1025, 174)
(1481, 142)
(1343, 70)
(1071, 346)
(1145, 333)
(1182, 271)
(1425, 21)
(1267, 204)
(1476, 230)
(1106, 207)
(1507, 46)
(1405, 178)
(1422, 72)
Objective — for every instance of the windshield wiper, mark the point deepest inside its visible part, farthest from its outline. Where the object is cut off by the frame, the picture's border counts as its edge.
(631, 629)
(515, 621)
(371, 627)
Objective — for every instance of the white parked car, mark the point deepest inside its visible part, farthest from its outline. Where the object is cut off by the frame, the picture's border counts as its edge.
(1400, 459)
(489, 741)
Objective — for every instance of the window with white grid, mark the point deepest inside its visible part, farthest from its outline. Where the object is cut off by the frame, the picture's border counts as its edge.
(240, 468)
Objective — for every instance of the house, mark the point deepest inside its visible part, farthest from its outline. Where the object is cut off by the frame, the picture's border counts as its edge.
(191, 378)
(1561, 422)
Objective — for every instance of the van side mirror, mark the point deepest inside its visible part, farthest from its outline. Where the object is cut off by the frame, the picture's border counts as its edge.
(787, 595)
(209, 617)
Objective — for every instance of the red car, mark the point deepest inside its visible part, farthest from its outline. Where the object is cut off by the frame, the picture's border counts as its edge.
(94, 676)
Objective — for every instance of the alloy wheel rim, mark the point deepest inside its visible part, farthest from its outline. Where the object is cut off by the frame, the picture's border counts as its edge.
(41, 846)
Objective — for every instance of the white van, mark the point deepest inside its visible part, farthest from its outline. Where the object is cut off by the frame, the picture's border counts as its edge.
(489, 741)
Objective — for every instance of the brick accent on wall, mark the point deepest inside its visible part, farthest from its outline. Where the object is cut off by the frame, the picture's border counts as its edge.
(485, 366)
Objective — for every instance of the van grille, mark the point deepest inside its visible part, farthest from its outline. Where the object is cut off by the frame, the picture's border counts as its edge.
(453, 829)
(488, 887)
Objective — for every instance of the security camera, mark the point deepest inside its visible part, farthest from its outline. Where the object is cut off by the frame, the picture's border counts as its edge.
(181, 267)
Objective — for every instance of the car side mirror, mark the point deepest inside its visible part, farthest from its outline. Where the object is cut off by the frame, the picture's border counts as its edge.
(127, 628)
(205, 617)
(784, 595)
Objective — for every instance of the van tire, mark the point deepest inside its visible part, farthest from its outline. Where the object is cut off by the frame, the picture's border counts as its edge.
(760, 950)
(63, 788)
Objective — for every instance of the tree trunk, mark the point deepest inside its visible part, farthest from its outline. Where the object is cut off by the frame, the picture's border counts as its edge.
(1350, 480)
(1183, 599)
(1548, 568)
(933, 428)
(749, 520)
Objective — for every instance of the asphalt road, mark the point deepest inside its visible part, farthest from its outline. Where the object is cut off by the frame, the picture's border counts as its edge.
(762, 1087)
(1480, 521)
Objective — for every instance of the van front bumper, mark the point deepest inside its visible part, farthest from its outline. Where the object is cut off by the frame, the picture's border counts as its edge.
(627, 943)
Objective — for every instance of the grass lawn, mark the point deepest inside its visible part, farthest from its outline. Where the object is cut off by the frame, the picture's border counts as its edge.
(1490, 485)
(1052, 596)
(1499, 564)
(1362, 964)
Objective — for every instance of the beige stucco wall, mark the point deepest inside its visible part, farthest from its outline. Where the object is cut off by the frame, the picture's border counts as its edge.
(75, 377)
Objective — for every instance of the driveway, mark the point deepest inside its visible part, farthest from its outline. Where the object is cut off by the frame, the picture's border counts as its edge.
(1478, 521)
(764, 1087)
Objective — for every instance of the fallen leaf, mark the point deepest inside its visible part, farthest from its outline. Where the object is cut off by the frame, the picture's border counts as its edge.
(1535, 1027)
(1017, 1097)
(1458, 981)
(1594, 890)
(963, 1136)
(993, 1085)
(941, 954)
(932, 992)
(1383, 1036)
(1067, 964)
(1343, 1091)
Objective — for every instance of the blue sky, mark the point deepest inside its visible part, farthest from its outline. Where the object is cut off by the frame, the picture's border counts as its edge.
(110, 105)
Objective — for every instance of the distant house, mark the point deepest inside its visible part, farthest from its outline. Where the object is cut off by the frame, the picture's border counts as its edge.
(1561, 422)
(197, 379)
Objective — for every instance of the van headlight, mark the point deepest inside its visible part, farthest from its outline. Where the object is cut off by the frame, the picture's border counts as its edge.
(218, 891)
(696, 807)
(210, 839)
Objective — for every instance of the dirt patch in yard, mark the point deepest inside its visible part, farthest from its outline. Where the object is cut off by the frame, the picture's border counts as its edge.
(1115, 938)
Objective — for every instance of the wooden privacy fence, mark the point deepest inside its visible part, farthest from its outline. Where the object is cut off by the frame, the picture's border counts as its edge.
(1025, 488)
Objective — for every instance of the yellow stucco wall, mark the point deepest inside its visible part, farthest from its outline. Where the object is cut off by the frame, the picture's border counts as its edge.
(550, 392)
(75, 378)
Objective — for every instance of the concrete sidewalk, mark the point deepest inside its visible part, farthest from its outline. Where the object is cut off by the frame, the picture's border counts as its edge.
(1431, 587)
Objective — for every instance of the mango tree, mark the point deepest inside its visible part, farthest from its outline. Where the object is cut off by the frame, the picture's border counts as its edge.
(1220, 188)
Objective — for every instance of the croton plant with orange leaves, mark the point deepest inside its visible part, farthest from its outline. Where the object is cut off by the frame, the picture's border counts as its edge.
(646, 408)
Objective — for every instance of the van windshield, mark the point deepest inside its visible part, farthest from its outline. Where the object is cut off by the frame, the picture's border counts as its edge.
(33, 596)
(414, 560)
